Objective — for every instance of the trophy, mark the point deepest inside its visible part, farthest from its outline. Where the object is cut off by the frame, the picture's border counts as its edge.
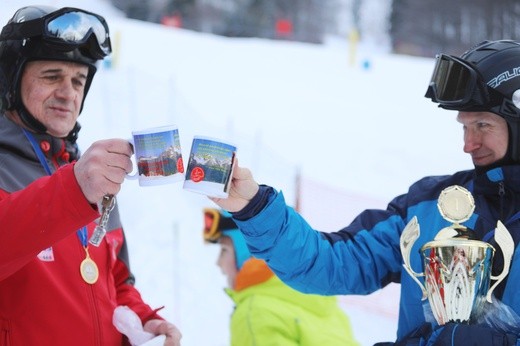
(457, 267)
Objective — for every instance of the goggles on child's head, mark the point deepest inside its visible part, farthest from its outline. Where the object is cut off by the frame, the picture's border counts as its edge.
(211, 220)
(215, 223)
(68, 27)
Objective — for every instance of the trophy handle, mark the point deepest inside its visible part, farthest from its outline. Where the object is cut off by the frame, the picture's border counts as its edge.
(410, 234)
(507, 245)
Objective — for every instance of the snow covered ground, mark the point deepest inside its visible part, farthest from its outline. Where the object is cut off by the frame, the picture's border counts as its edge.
(359, 134)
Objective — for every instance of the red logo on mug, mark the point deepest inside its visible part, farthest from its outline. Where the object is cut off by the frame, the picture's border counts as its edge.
(180, 165)
(197, 174)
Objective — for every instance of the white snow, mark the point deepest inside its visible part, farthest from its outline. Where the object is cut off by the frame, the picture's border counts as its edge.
(359, 134)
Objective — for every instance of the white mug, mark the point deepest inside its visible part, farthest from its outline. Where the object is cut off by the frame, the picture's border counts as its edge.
(210, 167)
(158, 156)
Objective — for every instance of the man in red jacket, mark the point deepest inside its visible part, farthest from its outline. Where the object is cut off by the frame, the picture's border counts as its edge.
(57, 288)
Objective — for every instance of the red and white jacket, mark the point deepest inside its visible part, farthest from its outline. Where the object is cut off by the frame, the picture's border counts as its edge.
(43, 298)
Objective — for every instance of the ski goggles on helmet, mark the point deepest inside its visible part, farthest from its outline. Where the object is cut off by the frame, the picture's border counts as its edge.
(67, 27)
(457, 85)
(215, 223)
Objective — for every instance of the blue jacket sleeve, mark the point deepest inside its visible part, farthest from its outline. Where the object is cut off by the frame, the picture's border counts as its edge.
(347, 262)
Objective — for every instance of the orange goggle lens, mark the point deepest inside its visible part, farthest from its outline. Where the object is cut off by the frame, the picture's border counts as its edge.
(211, 231)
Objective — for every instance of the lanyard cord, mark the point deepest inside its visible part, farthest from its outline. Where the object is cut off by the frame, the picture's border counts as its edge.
(82, 232)
(38, 151)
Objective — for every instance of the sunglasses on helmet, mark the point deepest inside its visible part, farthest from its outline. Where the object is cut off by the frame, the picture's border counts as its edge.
(69, 27)
(456, 85)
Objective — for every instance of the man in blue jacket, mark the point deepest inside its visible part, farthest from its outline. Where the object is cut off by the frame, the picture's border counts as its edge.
(483, 85)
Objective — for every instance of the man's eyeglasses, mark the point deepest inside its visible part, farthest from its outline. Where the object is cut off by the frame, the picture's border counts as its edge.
(69, 27)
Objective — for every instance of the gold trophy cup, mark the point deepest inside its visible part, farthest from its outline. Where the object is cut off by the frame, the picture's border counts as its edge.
(457, 268)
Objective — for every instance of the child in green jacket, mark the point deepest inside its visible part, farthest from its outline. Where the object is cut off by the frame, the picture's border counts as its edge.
(267, 311)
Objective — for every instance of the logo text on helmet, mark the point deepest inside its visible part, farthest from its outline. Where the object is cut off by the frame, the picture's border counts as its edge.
(504, 77)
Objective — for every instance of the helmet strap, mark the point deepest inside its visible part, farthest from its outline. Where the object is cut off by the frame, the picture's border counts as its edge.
(73, 135)
(29, 120)
(511, 114)
(514, 140)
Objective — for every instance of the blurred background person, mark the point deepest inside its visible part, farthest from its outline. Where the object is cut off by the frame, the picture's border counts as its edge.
(267, 311)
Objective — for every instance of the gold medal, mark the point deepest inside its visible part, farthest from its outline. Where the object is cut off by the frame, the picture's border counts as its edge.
(89, 270)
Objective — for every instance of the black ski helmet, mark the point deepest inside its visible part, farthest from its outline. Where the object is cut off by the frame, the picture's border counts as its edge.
(47, 33)
(484, 78)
